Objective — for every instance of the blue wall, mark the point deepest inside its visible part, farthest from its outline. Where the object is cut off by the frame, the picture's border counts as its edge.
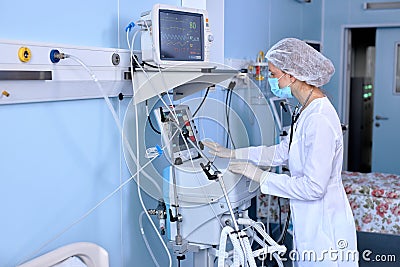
(59, 160)
(254, 25)
(84, 23)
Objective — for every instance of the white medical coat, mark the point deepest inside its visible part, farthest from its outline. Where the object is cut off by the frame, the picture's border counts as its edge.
(323, 222)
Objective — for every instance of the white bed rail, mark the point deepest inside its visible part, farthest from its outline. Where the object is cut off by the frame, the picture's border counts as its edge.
(89, 253)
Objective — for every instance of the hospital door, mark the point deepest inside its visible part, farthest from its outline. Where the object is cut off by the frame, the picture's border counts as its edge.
(386, 124)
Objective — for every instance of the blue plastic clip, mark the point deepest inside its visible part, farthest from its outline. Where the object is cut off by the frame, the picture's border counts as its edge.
(129, 27)
(159, 150)
(153, 152)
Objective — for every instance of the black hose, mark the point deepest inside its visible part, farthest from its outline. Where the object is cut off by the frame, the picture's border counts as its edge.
(202, 102)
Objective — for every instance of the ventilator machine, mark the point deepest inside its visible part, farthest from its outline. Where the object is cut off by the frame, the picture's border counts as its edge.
(207, 203)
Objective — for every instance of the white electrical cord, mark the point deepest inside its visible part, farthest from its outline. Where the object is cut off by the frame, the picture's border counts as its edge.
(248, 250)
(145, 239)
(237, 249)
(121, 196)
(265, 249)
(137, 153)
(115, 116)
(240, 255)
(140, 192)
(270, 247)
(260, 230)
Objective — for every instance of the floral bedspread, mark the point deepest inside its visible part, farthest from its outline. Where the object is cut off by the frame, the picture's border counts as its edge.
(373, 197)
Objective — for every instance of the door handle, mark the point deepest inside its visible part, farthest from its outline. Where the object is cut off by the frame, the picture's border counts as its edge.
(378, 117)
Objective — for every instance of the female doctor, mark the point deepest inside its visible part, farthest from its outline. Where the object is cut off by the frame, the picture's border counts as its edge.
(323, 224)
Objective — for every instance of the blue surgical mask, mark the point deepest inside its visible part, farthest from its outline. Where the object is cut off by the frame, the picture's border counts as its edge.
(284, 92)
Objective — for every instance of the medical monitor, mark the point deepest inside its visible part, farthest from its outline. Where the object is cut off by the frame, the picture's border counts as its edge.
(177, 126)
(176, 36)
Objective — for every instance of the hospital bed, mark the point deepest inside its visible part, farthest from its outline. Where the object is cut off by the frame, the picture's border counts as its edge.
(374, 199)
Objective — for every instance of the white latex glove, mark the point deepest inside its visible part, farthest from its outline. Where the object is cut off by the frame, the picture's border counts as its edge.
(249, 170)
(218, 150)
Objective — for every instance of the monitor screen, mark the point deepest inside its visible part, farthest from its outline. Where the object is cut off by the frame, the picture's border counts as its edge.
(181, 36)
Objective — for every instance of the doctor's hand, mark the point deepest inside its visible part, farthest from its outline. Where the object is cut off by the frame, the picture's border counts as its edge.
(218, 150)
(249, 170)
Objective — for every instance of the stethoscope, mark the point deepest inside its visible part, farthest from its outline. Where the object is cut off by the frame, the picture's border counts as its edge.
(296, 114)
(294, 117)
